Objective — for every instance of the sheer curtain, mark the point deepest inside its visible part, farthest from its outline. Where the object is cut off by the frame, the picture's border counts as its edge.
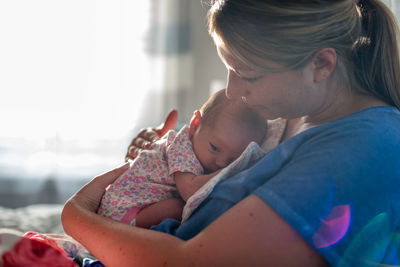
(171, 59)
(77, 80)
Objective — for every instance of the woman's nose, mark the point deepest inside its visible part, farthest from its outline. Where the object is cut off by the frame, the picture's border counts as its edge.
(235, 88)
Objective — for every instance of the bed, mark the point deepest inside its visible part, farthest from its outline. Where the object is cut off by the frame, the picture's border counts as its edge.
(43, 218)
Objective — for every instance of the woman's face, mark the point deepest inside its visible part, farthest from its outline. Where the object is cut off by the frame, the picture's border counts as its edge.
(290, 94)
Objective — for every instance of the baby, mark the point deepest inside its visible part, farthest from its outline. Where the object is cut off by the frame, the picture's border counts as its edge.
(181, 162)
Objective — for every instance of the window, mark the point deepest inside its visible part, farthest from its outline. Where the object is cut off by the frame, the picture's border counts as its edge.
(72, 75)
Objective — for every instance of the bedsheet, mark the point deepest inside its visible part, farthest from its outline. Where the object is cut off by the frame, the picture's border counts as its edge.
(41, 218)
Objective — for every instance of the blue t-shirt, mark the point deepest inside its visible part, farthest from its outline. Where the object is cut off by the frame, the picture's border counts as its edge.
(337, 184)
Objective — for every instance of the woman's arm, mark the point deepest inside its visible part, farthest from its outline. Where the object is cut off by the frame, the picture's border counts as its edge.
(112, 242)
(249, 234)
(188, 183)
(252, 234)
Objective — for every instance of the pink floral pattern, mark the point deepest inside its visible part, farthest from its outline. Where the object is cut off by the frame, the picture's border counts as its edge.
(176, 151)
(150, 179)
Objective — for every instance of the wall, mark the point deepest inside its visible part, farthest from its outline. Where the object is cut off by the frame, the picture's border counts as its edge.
(207, 66)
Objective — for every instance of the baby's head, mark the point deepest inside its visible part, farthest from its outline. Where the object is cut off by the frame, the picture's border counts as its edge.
(222, 129)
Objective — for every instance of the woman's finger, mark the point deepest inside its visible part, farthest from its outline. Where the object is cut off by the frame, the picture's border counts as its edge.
(149, 135)
(89, 195)
(144, 140)
(168, 124)
(132, 153)
(137, 145)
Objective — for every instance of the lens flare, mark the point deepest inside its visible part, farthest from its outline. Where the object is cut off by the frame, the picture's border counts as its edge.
(376, 244)
(334, 227)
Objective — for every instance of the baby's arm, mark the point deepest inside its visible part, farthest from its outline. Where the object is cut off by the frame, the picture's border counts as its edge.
(188, 183)
(155, 213)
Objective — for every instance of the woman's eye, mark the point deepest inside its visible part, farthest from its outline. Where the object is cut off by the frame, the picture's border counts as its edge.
(250, 80)
(213, 148)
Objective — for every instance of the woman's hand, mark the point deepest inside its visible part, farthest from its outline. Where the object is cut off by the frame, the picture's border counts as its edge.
(149, 135)
(89, 196)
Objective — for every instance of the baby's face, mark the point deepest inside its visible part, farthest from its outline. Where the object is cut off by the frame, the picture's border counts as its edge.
(219, 145)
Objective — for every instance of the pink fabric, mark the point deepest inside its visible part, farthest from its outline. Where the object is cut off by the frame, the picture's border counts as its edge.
(150, 177)
(130, 215)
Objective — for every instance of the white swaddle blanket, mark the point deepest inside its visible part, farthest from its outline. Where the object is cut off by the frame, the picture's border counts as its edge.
(250, 155)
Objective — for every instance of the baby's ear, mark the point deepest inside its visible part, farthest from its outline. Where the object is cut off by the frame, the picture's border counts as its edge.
(194, 122)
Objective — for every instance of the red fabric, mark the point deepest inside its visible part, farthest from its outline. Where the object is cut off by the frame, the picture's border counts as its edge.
(36, 250)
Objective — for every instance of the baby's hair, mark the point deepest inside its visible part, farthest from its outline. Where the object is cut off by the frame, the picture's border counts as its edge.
(246, 118)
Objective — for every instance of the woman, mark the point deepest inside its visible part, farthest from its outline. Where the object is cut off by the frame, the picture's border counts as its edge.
(327, 195)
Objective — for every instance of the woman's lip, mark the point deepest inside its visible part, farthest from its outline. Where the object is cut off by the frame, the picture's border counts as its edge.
(254, 106)
(244, 99)
(258, 108)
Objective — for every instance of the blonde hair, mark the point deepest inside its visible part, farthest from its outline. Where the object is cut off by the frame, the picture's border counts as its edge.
(364, 35)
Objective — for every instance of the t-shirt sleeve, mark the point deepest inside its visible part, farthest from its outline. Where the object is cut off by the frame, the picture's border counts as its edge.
(181, 156)
(299, 186)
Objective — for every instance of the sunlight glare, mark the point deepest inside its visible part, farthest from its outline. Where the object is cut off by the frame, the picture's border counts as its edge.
(71, 71)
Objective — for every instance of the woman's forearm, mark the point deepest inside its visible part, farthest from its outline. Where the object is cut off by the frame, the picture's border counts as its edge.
(249, 234)
(117, 244)
(251, 227)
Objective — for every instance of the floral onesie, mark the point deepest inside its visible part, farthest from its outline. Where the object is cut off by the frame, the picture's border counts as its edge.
(150, 177)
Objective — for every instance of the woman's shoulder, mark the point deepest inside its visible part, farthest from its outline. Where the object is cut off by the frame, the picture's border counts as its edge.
(366, 140)
(375, 117)
(366, 125)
